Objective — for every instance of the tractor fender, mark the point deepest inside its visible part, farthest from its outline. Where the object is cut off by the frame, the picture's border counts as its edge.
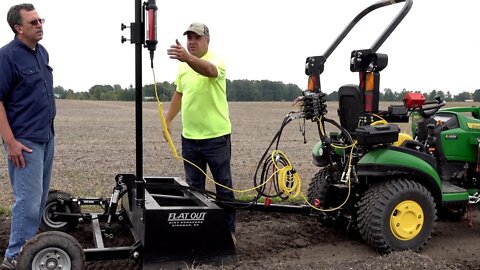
(393, 162)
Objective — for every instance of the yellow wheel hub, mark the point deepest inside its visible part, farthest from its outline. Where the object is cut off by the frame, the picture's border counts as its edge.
(406, 220)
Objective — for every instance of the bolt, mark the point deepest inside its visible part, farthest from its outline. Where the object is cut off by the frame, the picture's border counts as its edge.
(136, 255)
(51, 265)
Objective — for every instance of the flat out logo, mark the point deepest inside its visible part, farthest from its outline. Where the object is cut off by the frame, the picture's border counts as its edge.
(186, 219)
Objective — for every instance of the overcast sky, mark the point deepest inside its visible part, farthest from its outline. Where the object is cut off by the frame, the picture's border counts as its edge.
(435, 47)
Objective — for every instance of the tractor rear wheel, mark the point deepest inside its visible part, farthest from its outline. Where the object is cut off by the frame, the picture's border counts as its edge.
(396, 215)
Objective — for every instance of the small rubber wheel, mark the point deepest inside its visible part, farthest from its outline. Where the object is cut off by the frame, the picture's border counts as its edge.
(52, 250)
(49, 222)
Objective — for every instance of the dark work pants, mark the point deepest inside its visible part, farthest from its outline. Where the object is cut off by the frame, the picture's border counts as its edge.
(216, 153)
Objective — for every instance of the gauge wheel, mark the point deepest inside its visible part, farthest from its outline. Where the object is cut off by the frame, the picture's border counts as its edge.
(52, 250)
(49, 221)
(396, 215)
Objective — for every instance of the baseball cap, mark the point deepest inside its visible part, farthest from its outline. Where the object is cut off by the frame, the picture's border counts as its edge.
(198, 28)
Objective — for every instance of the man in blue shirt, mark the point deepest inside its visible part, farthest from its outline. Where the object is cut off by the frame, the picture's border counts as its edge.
(27, 112)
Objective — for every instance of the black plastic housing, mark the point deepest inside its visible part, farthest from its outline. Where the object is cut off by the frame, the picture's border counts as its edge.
(377, 134)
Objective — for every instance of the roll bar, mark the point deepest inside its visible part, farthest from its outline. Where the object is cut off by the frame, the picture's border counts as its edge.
(315, 64)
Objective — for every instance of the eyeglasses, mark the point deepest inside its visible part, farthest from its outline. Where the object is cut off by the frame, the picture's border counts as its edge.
(37, 21)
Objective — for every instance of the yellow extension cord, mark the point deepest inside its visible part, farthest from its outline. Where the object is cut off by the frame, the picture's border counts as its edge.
(288, 180)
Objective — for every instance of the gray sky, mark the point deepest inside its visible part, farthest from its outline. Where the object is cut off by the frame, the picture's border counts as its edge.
(435, 47)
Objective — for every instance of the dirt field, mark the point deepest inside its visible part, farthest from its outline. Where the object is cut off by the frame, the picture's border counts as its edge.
(96, 141)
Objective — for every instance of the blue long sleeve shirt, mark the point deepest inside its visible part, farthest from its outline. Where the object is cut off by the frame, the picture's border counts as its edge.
(26, 89)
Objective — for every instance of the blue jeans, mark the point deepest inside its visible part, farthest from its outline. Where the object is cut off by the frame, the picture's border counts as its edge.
(216, 153)
(30, 187)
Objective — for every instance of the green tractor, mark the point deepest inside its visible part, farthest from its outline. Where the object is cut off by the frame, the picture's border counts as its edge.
(387, 186)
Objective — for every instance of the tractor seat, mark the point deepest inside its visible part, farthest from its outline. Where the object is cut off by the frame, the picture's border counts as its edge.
(414, 145)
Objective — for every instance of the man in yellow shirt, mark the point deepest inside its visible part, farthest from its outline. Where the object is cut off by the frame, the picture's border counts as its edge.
(201, 96)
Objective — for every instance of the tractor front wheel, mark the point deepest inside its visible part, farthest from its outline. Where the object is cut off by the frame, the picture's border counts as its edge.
(395, 215)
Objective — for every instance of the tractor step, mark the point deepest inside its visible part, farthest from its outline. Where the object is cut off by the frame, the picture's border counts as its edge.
(451, 193)
(448, 187)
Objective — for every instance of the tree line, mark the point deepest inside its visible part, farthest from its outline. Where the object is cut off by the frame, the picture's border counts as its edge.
(239, 90)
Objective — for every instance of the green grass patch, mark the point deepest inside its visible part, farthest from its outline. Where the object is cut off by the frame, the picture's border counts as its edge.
(5, 212)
